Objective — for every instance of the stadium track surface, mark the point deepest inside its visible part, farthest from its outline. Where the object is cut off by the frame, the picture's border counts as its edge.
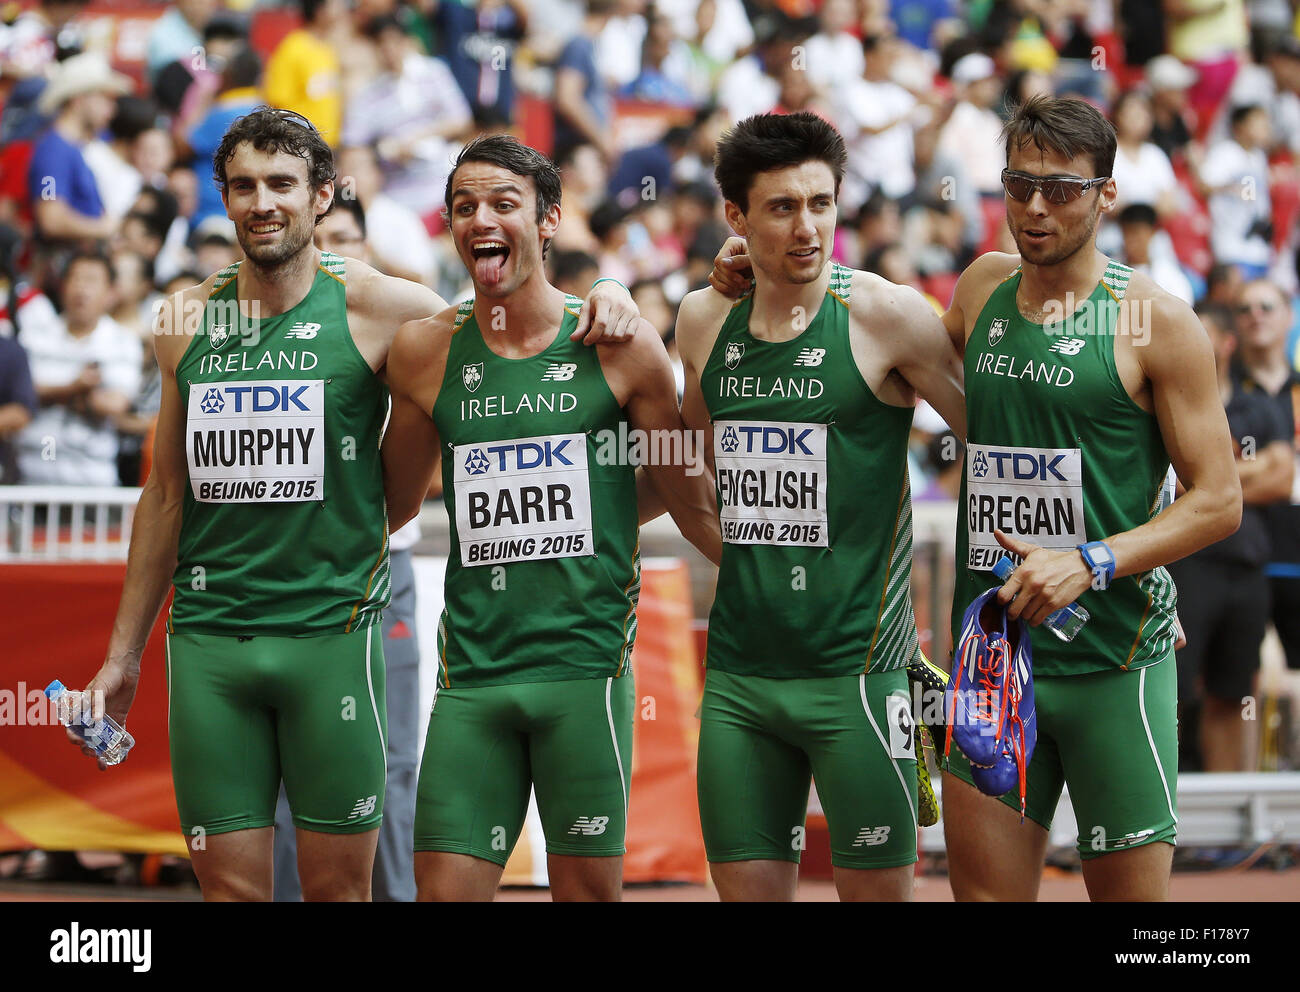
(1058, 886)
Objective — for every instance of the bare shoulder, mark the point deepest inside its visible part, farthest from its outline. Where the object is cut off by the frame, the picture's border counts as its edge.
(1155, 314)
(878, 304)
(423, 340)
(645, 347)
(178, 319)
(1164, 304)
(979, 279)
(699, 318)
(372, 294)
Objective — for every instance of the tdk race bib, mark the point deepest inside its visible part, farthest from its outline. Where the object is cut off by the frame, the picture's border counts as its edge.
(772, 480)
(257, 442)
(1035, 494)
(523, 500)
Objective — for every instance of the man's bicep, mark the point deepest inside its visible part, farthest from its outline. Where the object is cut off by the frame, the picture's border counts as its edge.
(1188, 407)
(403, 300)
(931, 364)
(410, 455)
(170, 462)
(652, 403)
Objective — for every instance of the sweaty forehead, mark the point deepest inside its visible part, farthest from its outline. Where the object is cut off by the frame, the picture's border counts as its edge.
(1028, 157)
(248, 161)
(480, 178)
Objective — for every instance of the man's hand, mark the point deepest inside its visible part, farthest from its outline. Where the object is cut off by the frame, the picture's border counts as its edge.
(608, 315)
(732, 272)
(111, 691)
(1044, 582)
(88, 379)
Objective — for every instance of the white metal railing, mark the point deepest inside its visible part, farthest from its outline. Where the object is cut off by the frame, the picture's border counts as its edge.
(65, 523)
(1214, 810)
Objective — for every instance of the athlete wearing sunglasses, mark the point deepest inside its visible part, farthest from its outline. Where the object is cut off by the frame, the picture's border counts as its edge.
(1055, 369)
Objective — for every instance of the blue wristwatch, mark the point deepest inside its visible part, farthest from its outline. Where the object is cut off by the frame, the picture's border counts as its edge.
(1098, 557)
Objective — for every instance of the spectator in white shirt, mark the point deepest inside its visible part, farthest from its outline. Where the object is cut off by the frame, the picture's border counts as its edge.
(399, 241)
(1234, 177)
(1284, 66)
(413, 113)
(973, 133)
(1142, 172)
(834, 55)
(86, 370)
(751, 85)
(876, 117)
(1137, 224)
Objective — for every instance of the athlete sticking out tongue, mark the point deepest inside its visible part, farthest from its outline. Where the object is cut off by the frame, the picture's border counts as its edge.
(535, 685)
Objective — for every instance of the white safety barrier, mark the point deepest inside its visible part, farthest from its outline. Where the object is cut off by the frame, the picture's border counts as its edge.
(1214, 810)
(65, 523)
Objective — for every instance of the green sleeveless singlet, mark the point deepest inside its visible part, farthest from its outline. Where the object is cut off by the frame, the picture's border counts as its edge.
(544, 568)
(1058, 454)
(814, 501)
(283, 527)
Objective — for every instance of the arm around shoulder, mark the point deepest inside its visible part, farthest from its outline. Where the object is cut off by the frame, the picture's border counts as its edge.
(410, 449)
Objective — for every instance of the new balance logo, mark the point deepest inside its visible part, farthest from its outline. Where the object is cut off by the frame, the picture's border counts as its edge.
(871, 836)
(560, 372)
(810, 357)
(589, 826)
(302, 331)
(363, 807)
(1129, 840)
(1068, 346)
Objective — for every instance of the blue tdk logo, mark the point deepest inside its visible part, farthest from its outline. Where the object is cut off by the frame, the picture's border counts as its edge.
(212, 402)
(729, 440)
(256, 399)
(774, 440)
(517, 456)
(1021, 466)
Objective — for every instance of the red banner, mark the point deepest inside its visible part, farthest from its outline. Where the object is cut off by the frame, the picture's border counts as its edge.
(53, 797)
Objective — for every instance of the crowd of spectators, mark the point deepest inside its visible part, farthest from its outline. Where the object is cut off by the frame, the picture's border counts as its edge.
(107, 200)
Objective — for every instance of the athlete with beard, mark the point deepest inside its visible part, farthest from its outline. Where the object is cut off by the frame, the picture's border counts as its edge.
(1083, 381)
(265, 510)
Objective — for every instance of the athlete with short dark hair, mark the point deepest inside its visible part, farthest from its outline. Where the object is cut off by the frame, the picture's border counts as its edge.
(534, 681)
(806, 387)
(1083, 381)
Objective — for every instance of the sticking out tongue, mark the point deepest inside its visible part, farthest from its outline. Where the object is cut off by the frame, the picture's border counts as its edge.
(489, 266)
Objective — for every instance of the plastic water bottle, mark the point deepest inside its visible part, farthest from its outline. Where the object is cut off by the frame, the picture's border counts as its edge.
(106, 737)
(1066, 622)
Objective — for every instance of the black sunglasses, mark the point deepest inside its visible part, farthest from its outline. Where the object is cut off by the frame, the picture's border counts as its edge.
(1056, 189)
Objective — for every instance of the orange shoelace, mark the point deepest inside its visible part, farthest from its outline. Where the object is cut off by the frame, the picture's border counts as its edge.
(990, 685)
